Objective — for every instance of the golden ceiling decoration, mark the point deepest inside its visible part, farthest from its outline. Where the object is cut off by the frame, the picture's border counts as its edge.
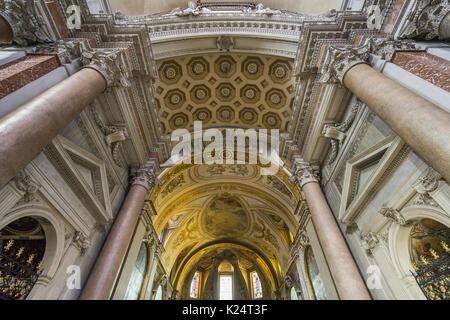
(225, 90)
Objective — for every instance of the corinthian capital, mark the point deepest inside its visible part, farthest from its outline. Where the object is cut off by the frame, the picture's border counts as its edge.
(304, 173)
(24, 20)
(424, 20)
(340, 60)
(146, 175)
(110, 63)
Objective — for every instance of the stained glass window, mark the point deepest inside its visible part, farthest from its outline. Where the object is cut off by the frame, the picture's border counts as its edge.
(256, 283)
(226, 287)
(195, 284)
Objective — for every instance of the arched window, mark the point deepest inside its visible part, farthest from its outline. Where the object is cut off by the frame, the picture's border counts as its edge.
(138, 275)
(430, 258)
(22, 248)
(195, 285)
(256, 285)
(226, 287)
(226, 281)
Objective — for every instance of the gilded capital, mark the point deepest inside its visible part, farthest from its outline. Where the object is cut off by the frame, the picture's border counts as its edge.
(26, 23)
(305, 173)
(424, 21)
(146, 176)
(340, 60)
(110, 63)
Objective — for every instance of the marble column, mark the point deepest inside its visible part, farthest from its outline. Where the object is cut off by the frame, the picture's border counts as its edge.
(347, 278)
(27, 130)
(104, 273)
(444, 27)
(421, 124)
(6, 32)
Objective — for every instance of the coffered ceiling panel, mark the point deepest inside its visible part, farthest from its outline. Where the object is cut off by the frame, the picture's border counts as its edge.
(225, 90)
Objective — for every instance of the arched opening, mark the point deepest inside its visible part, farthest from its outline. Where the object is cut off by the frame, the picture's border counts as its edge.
(256, 285)
(22, 249)
(430, 257)
(195, 285)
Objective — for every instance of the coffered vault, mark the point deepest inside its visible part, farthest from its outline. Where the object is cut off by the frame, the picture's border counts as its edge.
(225, 90)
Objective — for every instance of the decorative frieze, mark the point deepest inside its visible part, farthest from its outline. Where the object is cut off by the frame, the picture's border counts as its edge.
(26, 23)
(304, 173)
(425, 19)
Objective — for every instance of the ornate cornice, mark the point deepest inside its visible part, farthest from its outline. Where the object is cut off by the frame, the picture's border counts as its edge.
(24, 21)
(304, 173)
(146, 175)
(109, 62)
(386, 48)
(425, 18)
(301, 241)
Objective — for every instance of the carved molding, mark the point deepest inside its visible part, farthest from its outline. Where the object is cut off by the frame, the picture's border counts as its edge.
(369, 242)
(337, 133)
(81, 242)
(428, 182)
(24, 183)
(340, 60)
(393, 215)
(300, 243)
(385, 48)
(305, 173)
(425, 18)
(113, 135)
(146, 175)
(67, 51)
(110, 64)
(25, 22)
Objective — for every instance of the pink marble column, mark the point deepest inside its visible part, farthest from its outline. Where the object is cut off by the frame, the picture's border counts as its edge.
(347, 278)
(102, 278)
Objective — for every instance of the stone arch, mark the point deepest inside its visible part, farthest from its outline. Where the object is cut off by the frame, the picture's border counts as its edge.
(399, 237)
(54, 235)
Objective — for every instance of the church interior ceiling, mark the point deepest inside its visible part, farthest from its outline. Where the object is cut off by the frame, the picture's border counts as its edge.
(225, 90)
(203, 205)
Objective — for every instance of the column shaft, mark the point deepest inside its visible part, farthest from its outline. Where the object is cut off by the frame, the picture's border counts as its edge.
(349, 283)
(103, 275)
(444, 27)
(423, 126)
(6, 32)
(28, 129)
